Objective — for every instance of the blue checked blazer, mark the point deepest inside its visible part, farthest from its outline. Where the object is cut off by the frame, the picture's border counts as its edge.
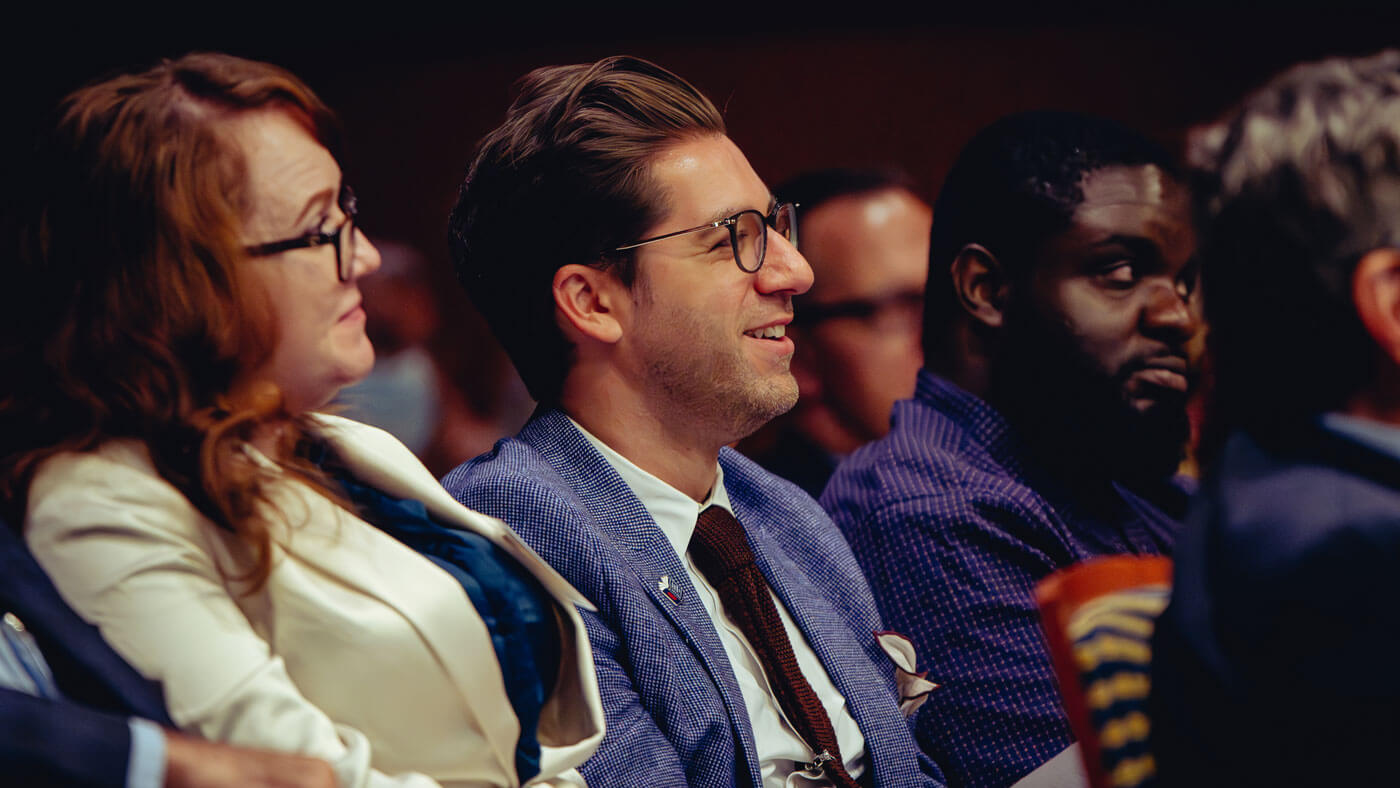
(675, 716)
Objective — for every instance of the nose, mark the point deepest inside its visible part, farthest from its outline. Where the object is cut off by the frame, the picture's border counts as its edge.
(367, 259)
(785, 271)
(1169, 310)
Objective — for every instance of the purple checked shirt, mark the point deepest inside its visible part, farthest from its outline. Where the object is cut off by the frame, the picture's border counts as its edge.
(953, 535)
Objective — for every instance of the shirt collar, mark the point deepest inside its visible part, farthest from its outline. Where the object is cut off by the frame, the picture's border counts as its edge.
(1381, 437)
(675, 512)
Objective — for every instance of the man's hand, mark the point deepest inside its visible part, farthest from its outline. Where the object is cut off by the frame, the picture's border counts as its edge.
(196, 763)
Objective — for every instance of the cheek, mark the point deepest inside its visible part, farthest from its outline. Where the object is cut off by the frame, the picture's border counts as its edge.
(859, 358)
(1102, 325)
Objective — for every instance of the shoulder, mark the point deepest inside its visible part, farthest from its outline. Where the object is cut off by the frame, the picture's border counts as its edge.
(780, 507)
(512, 475)
(923, 467)
(95, 517)
(119, 476)
(1285, 508)
(554, 507)
(750, 484)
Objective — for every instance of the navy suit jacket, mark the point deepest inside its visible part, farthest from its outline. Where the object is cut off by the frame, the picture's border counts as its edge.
(1276, 661)
(84, 739)
(674, 712)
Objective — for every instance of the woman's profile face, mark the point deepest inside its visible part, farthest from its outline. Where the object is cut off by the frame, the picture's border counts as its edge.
(294, 187)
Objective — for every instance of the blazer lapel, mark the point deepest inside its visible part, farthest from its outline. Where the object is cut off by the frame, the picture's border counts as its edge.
(381, 567)
(847, 662)
(381, 461)
(622, 520)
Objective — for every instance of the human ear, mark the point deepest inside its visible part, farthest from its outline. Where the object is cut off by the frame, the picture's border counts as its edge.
(586, 302)
(980, 284)
(1375, 289)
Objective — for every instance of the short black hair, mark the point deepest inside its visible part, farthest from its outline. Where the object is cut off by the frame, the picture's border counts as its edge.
(1291, 190)
(565, 179)
(1015, 184)
(812, 188)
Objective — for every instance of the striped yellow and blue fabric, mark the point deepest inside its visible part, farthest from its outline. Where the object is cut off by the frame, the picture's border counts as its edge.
(1098, 619)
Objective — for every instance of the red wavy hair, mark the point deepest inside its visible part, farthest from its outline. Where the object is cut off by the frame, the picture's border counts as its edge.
(127, 316)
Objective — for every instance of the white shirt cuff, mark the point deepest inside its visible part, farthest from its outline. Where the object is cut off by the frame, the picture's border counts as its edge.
(145, 768)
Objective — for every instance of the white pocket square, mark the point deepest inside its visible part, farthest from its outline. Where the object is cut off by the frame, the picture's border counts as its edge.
(913, 687)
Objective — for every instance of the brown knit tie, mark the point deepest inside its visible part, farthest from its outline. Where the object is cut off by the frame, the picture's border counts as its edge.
(721, 552)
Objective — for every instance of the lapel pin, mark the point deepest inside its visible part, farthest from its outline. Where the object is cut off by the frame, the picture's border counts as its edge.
(664, 586)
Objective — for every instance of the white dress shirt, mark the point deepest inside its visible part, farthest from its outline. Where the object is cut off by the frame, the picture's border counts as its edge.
(781, 751)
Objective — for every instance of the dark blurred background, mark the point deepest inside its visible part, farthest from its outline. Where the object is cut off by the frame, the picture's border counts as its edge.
(866, 86)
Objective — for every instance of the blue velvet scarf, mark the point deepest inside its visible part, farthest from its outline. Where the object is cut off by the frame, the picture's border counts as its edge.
(517, 610)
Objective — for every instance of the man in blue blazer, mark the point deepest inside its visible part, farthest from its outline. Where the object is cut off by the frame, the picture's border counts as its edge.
(641, 277)
(1275, 662)
(73, 713)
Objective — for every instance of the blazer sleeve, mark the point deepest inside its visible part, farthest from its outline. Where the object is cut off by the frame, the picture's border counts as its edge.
(131, 555)
(634, 751)
(40, 737)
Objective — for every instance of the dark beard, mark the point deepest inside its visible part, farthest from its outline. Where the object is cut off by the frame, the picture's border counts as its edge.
(1073, 417)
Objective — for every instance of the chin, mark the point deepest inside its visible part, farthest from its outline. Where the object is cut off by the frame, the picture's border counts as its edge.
(358, 363)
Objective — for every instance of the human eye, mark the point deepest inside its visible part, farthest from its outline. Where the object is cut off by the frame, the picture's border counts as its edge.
(324, 225)
(1119, 274)
(1189, 279)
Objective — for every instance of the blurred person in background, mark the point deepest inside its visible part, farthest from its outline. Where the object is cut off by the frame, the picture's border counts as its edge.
(409, 393)
(865, 234)
(1274, 663)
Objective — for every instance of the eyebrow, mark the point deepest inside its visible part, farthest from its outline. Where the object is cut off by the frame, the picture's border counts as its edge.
(725, 213)
(321, 198)
(1137, 244)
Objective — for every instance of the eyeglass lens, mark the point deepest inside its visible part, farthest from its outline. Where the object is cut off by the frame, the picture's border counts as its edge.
(750, 240)
(749, 235)
(345, 240)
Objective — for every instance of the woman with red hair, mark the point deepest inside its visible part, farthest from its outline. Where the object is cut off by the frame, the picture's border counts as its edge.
(183, 300)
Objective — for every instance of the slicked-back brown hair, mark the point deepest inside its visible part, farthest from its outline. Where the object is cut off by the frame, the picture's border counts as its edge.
(565, 179)
(126, 316)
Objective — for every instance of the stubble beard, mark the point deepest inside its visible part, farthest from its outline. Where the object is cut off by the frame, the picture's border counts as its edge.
(714, 392)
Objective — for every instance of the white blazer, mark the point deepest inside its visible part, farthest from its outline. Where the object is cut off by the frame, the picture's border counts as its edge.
(357, 650)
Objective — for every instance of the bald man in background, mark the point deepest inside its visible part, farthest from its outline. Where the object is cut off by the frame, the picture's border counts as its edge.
(857, 331)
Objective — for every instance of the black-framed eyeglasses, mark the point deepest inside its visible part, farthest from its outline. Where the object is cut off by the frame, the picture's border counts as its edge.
(748, 234)
(342, 237)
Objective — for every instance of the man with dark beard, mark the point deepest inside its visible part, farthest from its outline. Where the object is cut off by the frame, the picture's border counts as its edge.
(1045, 426)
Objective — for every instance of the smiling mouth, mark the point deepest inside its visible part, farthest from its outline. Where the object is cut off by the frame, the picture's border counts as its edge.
(768, 332)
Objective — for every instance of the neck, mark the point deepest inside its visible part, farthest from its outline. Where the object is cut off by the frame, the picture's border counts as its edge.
(1379, 401)
(965, 361)
(824, 428)
(268, 439)
(679, 454)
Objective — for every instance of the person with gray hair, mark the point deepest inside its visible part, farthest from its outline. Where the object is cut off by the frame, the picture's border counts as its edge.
(1273, 664)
